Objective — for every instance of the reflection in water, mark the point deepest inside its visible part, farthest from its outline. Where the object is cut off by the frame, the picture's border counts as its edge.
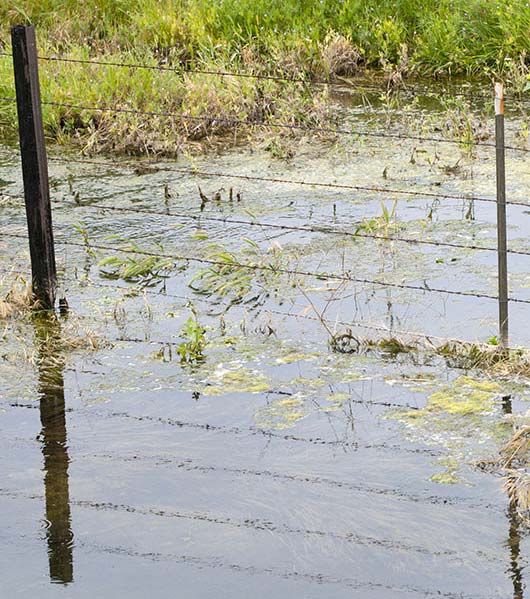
(514, 542)
(514, 537)
(55, 450)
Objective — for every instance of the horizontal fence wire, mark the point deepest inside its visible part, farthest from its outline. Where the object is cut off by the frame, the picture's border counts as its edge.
(345, 187)
(299, 228)
(367, 325)
(267, 225)
(384, 86)
(309, 80)
(275, 270)
(287, 126)
(319, 318)
(235, 122)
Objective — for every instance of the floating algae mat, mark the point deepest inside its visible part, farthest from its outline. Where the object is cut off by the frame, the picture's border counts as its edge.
(185, 421)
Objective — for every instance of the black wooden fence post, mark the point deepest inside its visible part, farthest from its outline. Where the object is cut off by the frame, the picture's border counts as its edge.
(34, 165)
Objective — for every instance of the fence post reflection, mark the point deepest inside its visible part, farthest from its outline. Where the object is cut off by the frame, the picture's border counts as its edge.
(514, 536)
(54, 449)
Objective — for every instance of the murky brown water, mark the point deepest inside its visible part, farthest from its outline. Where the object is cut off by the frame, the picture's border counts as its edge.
(275, 467)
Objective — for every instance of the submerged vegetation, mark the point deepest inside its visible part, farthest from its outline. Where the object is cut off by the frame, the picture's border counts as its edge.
(321, 40)
(131, 267)
(465, 355)
(226, 277)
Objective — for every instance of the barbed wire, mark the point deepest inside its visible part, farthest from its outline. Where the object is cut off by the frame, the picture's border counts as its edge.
(348, 187)
(340, 81)
(310, 81)
(345, 277)
(341, 186)
(139, 290)
(300, 228)
(227, 121)
(212, 120)
(368, 325)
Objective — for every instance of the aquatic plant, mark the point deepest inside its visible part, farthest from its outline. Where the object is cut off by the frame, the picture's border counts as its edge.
(82, 229)
(135, 268)
(191, 349)
(385, 224)
(228, 278)
(460, 122)
(488, 357)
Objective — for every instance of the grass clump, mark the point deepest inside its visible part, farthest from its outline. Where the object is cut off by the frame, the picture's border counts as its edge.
(191, 349)
(250, 276)
(17, 297)
(136, 268)
(514, 465)
(488, 357)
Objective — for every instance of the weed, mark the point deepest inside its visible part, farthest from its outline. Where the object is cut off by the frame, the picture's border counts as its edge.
(17, 297)
(315, 38)
(191, 349)
(384, 224)
(144, 270)
(228, 278)
(81, 228)
(460, 123)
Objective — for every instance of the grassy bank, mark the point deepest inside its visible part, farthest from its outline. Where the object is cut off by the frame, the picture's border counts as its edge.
(312, 39)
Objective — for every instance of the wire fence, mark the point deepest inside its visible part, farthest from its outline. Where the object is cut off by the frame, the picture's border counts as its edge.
(136, 290)
(233, 123)
(224, 121)
(273, 269)
(214, 120)
(383, 86)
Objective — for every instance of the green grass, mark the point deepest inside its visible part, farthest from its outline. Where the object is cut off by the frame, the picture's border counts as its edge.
(312, 39)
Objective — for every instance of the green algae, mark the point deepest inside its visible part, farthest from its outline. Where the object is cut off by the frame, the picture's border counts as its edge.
(466, 396)
(449, 476)
(338, 397)
(311, 383)
(281, 413)
(293, 356)
(463, 417)
(235, 378)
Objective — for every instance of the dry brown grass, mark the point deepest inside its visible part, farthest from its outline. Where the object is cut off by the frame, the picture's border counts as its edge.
(17, 297)
(514, 465)
(338, 56)
(517, 487)
(516, 452)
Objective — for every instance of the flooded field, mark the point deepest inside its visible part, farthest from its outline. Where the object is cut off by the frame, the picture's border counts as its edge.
(193, 428)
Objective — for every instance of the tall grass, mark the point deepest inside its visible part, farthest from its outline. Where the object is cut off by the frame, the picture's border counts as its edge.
(442, 35)
(313, 38)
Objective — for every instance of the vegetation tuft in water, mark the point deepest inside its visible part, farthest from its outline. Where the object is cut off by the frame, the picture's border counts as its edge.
(191, 349)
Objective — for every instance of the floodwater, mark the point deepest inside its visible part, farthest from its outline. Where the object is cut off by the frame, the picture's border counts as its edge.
(273, 466)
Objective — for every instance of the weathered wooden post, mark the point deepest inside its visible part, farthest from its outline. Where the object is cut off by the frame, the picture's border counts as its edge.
(34, 165)
(501, 215)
